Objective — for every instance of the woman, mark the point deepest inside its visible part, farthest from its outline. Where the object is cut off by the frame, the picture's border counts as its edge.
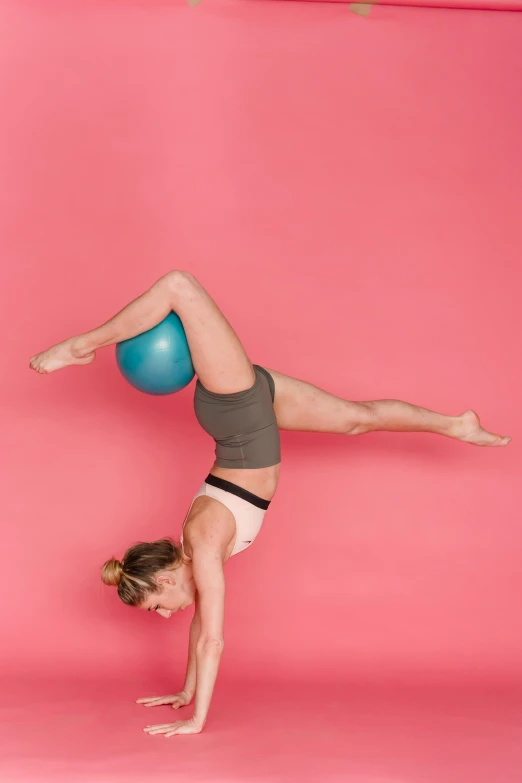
(243, 407)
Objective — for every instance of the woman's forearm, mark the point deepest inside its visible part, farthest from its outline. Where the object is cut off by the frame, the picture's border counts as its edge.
(190, 677)
(208, 657)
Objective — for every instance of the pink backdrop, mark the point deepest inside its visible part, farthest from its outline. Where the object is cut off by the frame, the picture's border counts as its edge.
(349, 191)
(484, 5)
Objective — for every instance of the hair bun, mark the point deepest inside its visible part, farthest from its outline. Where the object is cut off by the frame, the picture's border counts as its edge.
(112, 572)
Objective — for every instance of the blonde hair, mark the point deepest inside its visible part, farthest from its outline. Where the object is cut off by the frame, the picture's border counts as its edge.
(134, 575)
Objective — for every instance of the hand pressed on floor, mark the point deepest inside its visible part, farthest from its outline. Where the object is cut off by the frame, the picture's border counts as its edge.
(179, 727)
(177, 700)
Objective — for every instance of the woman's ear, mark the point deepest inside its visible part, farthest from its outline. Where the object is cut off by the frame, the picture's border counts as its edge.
(164, 579)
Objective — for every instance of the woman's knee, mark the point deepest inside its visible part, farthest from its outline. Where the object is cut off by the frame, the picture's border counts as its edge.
(360, 418)
(178, 283)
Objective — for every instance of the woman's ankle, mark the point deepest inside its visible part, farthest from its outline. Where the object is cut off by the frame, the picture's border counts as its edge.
(82, 346)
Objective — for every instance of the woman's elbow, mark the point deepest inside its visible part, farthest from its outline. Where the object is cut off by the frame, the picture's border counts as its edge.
(211, 643)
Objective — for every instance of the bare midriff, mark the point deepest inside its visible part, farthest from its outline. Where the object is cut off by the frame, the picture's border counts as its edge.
(260, 481)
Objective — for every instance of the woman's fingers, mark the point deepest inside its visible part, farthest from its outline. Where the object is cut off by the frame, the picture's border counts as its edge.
(176, 700)
(158, 702)
(179, 727)
(159, 728)
(153, 701)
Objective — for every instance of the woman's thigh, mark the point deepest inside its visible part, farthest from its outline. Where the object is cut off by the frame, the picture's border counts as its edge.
(302, 406)
(219, 359)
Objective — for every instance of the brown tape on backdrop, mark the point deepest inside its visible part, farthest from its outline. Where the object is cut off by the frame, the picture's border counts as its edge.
(361, 9)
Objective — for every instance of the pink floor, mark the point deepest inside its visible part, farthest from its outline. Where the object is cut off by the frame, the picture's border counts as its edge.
(268, 732)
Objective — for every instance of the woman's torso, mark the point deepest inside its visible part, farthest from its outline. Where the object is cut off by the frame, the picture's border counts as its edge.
(244, 428)
(260, 481)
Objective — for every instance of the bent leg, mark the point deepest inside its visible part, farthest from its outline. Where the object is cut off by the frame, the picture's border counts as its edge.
(217, 354)
(301, 406)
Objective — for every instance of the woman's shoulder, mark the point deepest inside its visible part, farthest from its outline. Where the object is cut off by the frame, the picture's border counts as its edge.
(209, 521)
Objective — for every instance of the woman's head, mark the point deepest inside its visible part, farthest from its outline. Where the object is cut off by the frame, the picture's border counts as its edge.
(153, 576)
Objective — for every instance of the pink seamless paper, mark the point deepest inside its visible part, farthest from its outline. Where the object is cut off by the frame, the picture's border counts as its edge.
(350, 195)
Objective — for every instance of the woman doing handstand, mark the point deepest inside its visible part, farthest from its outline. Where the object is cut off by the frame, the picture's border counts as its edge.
(243, 407)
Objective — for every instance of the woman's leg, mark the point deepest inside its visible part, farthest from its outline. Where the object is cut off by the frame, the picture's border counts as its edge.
(219, 358)
(301, 406)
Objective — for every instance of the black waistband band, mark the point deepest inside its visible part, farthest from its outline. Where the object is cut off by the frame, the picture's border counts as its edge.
(227, 486)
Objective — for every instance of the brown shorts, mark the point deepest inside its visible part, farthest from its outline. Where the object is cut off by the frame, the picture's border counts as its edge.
(243, 424)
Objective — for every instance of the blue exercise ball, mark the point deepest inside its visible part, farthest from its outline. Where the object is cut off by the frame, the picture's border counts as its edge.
(157, 361)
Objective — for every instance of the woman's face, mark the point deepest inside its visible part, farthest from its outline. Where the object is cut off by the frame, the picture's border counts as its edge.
(176, 591)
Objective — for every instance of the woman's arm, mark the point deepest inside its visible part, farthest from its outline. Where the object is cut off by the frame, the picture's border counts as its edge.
(190, 677)
(207, 569)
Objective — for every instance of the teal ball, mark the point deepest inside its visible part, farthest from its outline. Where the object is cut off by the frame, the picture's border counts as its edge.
(157, 361)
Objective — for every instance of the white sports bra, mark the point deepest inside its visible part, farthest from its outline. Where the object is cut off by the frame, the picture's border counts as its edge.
(248, 517)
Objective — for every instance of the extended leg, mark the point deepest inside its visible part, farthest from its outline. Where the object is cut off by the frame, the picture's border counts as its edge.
(217, 354)
(301, 406)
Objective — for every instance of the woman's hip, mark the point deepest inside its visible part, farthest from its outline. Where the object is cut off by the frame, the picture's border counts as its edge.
(243, 424)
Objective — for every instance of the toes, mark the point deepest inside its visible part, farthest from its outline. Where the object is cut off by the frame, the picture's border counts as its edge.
(498, 440)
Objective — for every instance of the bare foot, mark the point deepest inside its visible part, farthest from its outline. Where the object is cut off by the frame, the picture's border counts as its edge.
(469, 430)
(60, 355)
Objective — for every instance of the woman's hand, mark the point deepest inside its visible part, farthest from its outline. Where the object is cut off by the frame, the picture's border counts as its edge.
(180, 727)
(177, 700)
